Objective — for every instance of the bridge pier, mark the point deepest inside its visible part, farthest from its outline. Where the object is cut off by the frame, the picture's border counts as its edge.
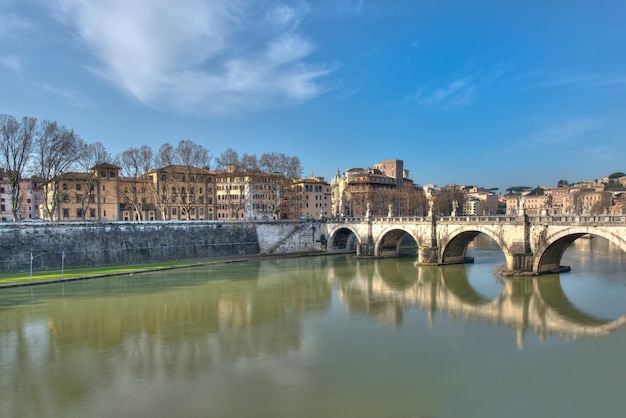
(427, 256)
(519, 263)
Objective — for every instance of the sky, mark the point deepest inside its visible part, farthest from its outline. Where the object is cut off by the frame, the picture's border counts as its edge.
(486, 93)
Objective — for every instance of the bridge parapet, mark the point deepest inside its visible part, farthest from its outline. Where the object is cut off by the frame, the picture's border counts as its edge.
(579, 219)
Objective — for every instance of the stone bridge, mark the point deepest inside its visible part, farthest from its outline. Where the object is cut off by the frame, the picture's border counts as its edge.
(531, 244)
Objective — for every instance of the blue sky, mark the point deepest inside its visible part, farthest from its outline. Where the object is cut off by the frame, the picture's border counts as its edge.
(489, 93)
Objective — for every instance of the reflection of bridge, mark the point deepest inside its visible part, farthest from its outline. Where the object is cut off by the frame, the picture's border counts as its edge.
(385, 289)
(529, 243)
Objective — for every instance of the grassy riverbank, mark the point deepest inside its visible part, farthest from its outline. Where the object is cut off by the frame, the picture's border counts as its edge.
(39, 277)
(51, 276)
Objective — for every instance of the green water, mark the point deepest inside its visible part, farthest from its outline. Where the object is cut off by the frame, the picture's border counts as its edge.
(322, 337)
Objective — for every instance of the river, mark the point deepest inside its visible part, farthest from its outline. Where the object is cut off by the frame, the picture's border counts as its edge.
(327, 336)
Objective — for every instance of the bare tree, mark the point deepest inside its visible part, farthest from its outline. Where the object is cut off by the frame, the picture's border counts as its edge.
(16, 144)
(165, 155)
(135, 163)
(281, 169)
(193, 160)
(160, 184)
(56, 150)
(227, 158)
(442, 203)
(90, 156)
(250, 162)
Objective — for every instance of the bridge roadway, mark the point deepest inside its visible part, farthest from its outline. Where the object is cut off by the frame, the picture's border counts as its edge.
(531, 244)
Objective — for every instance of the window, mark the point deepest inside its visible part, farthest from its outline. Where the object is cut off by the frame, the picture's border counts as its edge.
(103, 187)
(78, 186)
(79, 213)
(66, 213)
(64, 186)
(92, 213)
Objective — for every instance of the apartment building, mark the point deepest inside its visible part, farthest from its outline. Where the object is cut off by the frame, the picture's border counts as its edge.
(309, 198)
(351, 190)
(90, 196)
(178, 192)
(562, 201)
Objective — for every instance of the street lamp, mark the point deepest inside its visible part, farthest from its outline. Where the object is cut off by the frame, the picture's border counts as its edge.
(32, 257)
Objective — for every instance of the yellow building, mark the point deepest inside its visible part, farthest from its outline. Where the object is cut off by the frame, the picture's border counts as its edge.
(182, 193)
(309, 198)
(91, 196)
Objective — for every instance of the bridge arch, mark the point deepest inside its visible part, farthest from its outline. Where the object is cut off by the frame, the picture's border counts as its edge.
(390, 239)
(548, 256)
(454, 245)
(343, 237)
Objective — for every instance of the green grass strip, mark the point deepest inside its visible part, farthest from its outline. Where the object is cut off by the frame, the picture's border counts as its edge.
(52, 275)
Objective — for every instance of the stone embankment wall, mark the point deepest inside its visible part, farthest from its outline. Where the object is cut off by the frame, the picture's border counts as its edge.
(49, 245)
(290, 237)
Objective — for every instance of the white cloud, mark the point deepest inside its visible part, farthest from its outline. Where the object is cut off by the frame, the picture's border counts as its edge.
(204, 56)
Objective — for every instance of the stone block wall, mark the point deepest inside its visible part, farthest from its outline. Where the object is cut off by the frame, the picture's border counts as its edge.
(96, 244)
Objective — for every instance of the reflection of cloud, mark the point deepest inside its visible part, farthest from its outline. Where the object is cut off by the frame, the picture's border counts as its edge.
(213, 56)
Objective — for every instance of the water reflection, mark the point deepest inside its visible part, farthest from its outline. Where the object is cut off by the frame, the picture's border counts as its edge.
(66, 347)
(69, 348)
(386, 288)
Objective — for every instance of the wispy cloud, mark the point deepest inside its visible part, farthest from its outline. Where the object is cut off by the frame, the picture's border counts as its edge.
(69, 96)
(557, 134)
(200, 56)
(461, 91)
(10, 24)
(12, 63)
